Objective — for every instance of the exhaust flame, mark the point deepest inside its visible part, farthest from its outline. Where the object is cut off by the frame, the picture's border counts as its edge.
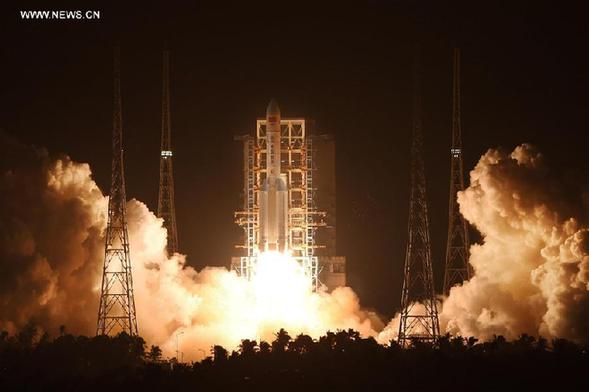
(282, 290)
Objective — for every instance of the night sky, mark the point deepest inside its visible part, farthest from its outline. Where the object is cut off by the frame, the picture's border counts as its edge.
(524, 77)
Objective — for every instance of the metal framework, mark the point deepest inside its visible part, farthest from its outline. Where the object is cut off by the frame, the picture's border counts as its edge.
(116, 312)
(165, 204)
(457, 268)
(303, 216)
(419, 314)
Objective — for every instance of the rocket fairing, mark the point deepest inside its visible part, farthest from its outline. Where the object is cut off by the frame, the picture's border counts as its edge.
(273, 218)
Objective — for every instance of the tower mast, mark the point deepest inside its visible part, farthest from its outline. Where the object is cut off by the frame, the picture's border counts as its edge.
(116, 312)
(419, 314)
(165, 205)
(457, 268)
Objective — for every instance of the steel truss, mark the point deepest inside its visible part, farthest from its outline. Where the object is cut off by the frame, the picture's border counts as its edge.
(303, 216)
(419, 314)
(116, 312)
(457, 268)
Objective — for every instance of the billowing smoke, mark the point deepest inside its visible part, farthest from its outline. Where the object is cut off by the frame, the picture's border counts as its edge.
(215, 306)
(532, 267)
(531, 270)
(53, 218)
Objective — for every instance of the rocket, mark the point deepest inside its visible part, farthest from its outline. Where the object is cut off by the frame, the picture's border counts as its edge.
(273, 197)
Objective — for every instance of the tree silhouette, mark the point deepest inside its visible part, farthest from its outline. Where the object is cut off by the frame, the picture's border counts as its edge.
(219, 354)
(247, 348)
(154, 354)
(301, 345)
(281, 342)
(341, 360)
(26, 337)
(265, 348)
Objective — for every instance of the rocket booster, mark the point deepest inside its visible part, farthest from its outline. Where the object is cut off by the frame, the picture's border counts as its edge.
(273, 218)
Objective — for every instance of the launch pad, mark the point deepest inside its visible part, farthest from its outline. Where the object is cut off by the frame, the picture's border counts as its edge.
(303, 217)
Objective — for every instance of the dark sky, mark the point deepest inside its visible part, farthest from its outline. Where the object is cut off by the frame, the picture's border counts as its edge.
(524, 80)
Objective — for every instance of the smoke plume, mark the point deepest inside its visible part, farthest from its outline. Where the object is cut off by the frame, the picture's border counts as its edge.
(53, 219)
(532, 267)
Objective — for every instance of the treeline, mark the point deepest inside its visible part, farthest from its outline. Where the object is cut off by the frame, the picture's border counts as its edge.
(341, 360)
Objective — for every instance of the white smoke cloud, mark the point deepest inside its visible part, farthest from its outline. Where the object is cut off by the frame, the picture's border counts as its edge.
(215, 306)
(51, 215)
(52, 248)
(531, 270)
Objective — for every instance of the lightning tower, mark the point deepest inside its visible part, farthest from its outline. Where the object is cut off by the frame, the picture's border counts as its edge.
(116, 312)
(165, 204)
(457, 268)
(419, 315)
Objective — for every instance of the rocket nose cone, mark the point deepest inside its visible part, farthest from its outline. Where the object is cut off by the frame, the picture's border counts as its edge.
(272, 109)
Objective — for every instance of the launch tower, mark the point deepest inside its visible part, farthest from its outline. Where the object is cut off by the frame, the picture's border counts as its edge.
(303, 217)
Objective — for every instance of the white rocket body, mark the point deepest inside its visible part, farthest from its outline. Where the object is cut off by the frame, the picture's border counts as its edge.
(273, 218)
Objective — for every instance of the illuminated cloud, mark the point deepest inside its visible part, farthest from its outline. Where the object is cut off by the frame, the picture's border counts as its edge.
(531, 267)
(53, 251)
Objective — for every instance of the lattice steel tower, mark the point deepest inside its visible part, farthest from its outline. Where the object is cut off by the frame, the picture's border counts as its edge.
(457, 268)
(165, 204)
(116, 312)
(419, 315)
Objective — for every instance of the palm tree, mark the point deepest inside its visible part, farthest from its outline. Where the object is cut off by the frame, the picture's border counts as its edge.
(302, 344)
(247, 348)
(281, 342)
(219, 354)
(154, 354)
